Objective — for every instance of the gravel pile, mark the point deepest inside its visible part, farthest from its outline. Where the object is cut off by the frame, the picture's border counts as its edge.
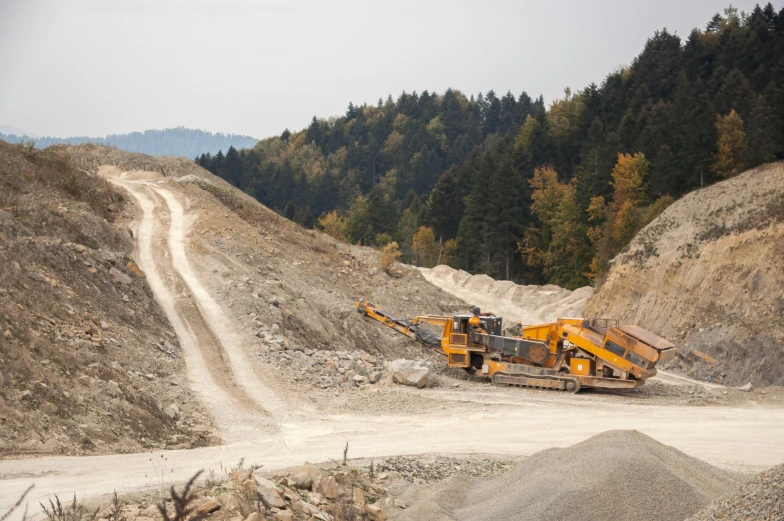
(325, 369)
(761, 499)
(619, 475)
(436, 468)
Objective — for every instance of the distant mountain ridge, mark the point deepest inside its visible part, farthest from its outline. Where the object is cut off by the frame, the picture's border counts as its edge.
(178, 141)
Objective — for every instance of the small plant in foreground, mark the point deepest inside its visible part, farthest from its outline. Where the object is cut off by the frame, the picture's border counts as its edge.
(75, 512)
(16, 505)
(182, 503)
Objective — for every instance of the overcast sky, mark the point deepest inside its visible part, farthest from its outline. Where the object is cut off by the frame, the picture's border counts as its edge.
(95, 67)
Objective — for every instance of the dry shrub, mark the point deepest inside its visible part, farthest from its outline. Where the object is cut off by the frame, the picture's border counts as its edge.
(389, 255)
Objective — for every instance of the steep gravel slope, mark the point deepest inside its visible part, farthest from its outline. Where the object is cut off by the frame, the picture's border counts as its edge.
(88, 363)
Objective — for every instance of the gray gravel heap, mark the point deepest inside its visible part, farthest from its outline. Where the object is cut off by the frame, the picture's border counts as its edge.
(761, 499)
(618, 475)
(424, 469)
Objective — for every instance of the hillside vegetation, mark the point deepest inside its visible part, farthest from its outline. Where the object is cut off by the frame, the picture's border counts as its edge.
(178, 141)
(507, 186)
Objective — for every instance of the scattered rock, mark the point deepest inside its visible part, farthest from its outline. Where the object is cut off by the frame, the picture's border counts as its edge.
(374, 513)
(416, 373)
(328, 486)
(269, 493)
(284, 515)
(132, 266)
(746, 388)
(119, 276)
(172, 411)
(359, 498)
(207, 508)
(255, 516)
(49, 408)
(305, 508)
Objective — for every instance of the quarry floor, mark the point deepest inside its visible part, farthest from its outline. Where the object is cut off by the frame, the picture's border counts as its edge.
(264, 424)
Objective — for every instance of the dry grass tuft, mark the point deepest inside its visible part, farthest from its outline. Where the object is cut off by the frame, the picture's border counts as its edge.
(389, 255)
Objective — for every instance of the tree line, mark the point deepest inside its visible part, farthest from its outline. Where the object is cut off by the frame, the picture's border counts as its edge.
(505, 185)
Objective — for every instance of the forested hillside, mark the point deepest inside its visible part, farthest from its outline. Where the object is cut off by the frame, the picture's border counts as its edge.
(178, 141)
(508, 186)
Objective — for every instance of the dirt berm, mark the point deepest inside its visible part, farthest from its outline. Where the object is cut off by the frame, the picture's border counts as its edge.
(524, 304)
(707, 274)
(619, 475)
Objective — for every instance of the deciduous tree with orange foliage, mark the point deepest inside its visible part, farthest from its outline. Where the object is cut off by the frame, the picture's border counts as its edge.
(618, 220)
(731, 145)
(559, 246)
(424, 246)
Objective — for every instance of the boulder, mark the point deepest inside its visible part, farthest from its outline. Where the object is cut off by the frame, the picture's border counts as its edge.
(374, 513)
(284, 515)
(328, 486)
(172, 411)
(206, 508)
(305, 508)
(306, 475)
(269, 493)
(359, 498)
(416, 373)
(747, 388)
(119, 276)
(255, 516)
(132, 266)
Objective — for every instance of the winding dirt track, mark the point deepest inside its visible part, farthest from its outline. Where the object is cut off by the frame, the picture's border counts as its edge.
(257, 425)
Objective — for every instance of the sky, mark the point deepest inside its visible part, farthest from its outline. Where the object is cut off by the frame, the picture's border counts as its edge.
(256, 67)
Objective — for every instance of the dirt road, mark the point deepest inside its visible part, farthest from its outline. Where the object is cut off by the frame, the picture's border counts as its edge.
(263, 427)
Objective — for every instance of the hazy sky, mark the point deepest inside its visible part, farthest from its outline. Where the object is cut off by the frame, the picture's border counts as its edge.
(95, 67)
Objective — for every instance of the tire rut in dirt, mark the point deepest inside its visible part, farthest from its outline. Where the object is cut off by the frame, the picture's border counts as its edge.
(210, 346)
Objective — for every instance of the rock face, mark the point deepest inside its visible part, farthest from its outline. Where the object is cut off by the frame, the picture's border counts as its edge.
(416, 373)
(706, 274)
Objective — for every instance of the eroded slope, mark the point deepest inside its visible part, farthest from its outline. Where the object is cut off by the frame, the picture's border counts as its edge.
(88, 362)
(708, 274)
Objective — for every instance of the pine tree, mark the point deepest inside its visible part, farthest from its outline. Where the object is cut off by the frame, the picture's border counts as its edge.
(663, 173)
(761, 134)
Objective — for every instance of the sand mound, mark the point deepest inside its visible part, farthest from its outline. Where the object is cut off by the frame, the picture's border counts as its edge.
(525, 304)
(619, 475)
